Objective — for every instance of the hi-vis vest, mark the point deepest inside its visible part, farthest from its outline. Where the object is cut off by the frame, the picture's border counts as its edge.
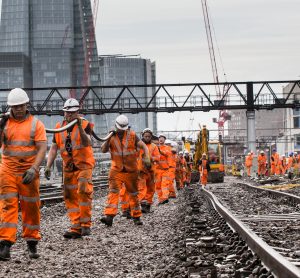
(154, 157)
(163, 161)
(19, 149)
(124, 153)
(82, 157)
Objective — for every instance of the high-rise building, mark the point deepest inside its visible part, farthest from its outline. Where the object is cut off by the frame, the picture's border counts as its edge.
(116, 70)
(47, 44)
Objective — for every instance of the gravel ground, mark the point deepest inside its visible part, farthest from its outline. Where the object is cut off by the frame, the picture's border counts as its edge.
(123, 250)
(251, 204)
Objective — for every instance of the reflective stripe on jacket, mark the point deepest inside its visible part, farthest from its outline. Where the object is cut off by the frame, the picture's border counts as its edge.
(19, 149)
(124, 153)
(82, 157)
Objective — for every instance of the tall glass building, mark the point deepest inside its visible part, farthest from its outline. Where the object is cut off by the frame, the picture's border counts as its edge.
(47, 43)
(116, 70)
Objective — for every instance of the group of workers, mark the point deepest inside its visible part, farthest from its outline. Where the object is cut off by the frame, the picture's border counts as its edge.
(279, 164)
(139, 168)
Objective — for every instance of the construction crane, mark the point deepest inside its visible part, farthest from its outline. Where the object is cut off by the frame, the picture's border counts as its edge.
(223, 115)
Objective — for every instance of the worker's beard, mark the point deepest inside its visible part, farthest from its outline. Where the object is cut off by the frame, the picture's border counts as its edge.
(146, 141)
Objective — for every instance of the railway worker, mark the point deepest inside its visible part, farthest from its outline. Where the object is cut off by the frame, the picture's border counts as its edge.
(189, 164)
(262, 163)
(248, 163)
(179, 171)
(124, 169)
(24, 145)
(290, 162)
(274, 162)
(146, 180)
(296, 164)
(162, 182)
(78, 162)
(204, 168)
(282, 164)
(172, 171)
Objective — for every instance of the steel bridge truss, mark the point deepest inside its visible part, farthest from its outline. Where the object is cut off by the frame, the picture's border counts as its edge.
(166, 97)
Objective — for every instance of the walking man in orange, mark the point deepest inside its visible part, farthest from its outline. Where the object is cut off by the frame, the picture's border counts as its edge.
(189, 164)
(78, 162)
(146, 180)
(24, 146)
(274, 163)
(124, 169)
(162, 183)
(204, 168)
(248, 163)
(172, 170)
(262, 163)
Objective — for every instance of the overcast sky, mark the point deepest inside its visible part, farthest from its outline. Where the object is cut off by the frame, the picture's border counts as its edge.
(258, 40)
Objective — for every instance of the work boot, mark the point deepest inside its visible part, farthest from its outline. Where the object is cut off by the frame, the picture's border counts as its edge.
(107, 220)
(5, 250)
(144, 207)
(137, 221)
(164, 202)
(71, 235)
(85, 231)
(32, 249)
(147, 208)
(126, 213)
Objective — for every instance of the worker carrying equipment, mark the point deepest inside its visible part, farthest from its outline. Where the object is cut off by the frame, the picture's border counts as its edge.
(124, 169)
(78, 162)
(162, 181)
(24, 146)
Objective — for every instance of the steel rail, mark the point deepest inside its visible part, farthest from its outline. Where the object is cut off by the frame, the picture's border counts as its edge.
(275, 262)
(290, 197)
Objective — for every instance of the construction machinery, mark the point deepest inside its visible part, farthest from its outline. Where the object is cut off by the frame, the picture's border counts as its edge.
(214, 153)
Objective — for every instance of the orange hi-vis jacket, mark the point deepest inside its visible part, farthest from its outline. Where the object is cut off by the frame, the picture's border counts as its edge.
(82, 157)
(290, 162)
(19, 149)
(262, 159)
(203, 166)
(275, 159)
(124, 153)
(172, 160)
(165, 153)
(248, 161)
(154, 157)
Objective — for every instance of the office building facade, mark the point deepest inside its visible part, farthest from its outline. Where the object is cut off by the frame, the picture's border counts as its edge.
(116, 70)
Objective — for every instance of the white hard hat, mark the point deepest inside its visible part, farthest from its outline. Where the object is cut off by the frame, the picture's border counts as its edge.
(168, 142)
(122, 122)
(204, 154)
(71, 105)
(147, 130)
(17, 96)
(186, 152)
(283, 155)
(249, 153)
(174, 144)
(180, 152)
(262, 152)
(162, 135)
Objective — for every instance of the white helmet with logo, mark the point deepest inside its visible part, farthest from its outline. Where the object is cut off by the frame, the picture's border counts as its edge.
(122, 122)
(71, 105)
(17, 96)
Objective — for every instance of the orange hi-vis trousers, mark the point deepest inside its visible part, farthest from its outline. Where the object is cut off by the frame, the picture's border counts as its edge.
(261, 169)
(12, 190)
(116, 180)
(78, 194)
(203, 176)
(178, 179)
(146, 187)
(124, 198)
(171, 179)
(162, 184)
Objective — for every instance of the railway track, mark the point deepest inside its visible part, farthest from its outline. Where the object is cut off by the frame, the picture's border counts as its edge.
(267, 220)
(53, 192)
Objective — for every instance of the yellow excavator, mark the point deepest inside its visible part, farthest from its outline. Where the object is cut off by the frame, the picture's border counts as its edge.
(214, 152)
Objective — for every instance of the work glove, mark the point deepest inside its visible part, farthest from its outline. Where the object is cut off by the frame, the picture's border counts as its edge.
(29, 176)
(47, 173)
(147, 162)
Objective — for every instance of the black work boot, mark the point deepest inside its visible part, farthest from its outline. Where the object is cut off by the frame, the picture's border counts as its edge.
(144, 207)
(71, 235)
(137, 221)
(126, 213)
(5, 250)
(32, 249)
(107, 220)
(85, 231)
